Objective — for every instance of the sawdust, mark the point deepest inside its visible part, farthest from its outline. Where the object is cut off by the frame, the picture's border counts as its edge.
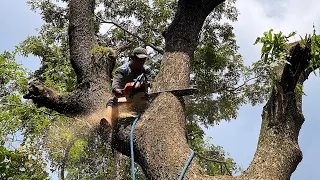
(123, 110)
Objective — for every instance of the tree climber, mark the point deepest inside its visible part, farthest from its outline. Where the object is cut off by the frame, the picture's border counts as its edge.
(128, 73)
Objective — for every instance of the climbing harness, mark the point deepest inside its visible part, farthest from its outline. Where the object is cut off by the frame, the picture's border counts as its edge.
(132, 153)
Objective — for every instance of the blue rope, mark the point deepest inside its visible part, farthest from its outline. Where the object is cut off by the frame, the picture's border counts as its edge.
(187, 165)
(132, 153)
(131, 146)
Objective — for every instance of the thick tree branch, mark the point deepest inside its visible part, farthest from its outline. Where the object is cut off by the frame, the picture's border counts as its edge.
(209, 5)
(86, 99)
(159, 50)
(160, 145)
(92, 67)
(278, 152)
(181, 39)
(81, 36)
(122, 47)
(299, 62)
(44, 96)
(183, 33)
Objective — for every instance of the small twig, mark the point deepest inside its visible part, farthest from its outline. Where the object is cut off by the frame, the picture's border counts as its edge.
(132, 34)
(194, 132)
(229, 89)
(244, 83)
(122, 47)
(229, 172)
(216, 161)
(210, 159)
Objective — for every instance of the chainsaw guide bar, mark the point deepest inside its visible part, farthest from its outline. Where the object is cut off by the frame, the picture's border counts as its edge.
(152, 95)
(177, 92)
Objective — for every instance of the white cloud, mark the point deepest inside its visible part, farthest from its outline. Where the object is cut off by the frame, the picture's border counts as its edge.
(255, 19)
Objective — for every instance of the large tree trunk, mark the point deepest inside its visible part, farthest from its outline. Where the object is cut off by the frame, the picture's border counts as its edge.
(160, 144)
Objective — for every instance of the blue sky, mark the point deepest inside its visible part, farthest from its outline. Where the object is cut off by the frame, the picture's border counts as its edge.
(240, 136)
(17, 23)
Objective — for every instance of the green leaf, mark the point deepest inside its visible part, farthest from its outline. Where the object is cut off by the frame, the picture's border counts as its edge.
(292, 34)
(257, 41)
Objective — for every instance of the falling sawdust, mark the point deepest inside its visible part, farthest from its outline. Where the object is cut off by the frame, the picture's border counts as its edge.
(125, 110)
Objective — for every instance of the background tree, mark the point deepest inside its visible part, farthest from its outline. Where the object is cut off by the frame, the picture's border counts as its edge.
(21, 162)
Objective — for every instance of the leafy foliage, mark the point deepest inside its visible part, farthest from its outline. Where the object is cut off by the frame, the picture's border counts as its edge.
(265, 72)
(315, 49)
(274, 52)
(11, 75)
(24, 162)
(52, 47)
(19, 164)
(274, 55)
(211, 158)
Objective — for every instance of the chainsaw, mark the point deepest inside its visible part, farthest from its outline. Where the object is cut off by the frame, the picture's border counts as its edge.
(141, 86)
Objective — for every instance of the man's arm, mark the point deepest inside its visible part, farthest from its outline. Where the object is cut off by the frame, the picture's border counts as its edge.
(147, 72)
(116, 81)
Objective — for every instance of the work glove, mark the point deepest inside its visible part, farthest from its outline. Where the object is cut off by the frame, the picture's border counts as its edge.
(148, 84)
(118, 92)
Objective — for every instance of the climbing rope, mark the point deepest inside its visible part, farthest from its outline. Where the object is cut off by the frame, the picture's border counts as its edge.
(132, 153)
(131, 146)
(187, 165)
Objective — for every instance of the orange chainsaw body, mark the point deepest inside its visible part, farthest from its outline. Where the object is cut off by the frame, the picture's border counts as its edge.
(128, 89)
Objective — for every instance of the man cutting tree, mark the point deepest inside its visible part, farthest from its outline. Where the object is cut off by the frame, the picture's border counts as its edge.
(130, 71)
(131, 76)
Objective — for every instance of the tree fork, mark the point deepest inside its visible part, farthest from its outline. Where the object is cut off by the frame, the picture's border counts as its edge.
(93, 68)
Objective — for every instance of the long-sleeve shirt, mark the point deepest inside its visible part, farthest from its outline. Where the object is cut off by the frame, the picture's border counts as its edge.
(125, 74)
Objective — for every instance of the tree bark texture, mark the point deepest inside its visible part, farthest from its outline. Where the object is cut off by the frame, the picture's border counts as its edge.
(160, 144)
(181, 39)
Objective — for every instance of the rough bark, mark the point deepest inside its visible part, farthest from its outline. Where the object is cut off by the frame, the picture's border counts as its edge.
(120, 164)
(81, 37)
(181, 40)
(160, 144)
